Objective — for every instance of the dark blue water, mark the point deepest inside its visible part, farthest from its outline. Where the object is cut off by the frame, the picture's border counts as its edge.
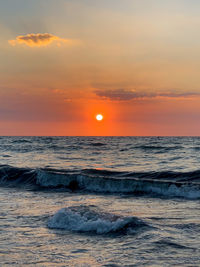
(100, 201)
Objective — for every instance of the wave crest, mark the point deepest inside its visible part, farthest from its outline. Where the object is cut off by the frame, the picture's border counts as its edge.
(89, 219)
(167, 184)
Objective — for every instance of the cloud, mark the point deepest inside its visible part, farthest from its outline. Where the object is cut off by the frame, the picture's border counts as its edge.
(38, 39)
(126, 95)
(118, 94)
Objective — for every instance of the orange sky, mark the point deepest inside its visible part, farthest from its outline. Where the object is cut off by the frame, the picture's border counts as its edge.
(135, 62)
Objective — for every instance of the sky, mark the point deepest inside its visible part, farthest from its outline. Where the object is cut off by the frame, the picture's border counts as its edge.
(136, 62)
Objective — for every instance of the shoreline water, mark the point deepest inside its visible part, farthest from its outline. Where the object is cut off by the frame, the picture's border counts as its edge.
(90, 202)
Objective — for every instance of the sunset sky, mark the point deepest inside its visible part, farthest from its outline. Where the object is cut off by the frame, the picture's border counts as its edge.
(136, 62)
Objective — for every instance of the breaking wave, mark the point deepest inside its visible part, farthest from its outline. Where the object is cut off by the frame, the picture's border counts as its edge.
(167, 184)
(90, 219)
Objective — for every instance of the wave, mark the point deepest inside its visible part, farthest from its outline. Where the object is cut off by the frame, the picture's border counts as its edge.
(166, 184)
(97, 144)
(90, 219)
(21, 141)
(17, 176)
(158, 149)
(77, 146)
(167, 243)
(197, 148)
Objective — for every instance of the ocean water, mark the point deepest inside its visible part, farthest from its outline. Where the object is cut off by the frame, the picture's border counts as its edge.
(99, 201)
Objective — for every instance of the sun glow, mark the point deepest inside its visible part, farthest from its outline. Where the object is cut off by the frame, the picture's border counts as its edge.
(99, 117)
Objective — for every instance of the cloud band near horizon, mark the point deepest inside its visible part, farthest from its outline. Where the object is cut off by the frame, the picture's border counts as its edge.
(127, 95)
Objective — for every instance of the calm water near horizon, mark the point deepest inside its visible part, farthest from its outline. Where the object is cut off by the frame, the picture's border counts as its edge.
(100, 201)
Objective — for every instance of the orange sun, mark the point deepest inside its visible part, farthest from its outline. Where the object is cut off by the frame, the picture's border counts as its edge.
(99, 117)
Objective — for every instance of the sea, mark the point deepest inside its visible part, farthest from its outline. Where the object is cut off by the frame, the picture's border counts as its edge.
(100, 201)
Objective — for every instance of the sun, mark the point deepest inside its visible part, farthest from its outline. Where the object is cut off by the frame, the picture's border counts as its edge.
(99, 117)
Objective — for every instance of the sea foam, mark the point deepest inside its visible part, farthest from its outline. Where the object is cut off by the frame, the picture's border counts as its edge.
(124, 185)
(157, 184)
(88, 219)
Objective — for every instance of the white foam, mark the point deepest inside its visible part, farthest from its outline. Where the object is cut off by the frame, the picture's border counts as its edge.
(112, 185)
(135, 185)
(84, 220)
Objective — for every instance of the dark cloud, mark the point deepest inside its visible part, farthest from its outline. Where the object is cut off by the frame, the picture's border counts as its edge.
(118, 95)
(126, 95)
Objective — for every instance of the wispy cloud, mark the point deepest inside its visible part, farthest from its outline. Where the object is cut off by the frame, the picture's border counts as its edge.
(39, 39)
(126, 95)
